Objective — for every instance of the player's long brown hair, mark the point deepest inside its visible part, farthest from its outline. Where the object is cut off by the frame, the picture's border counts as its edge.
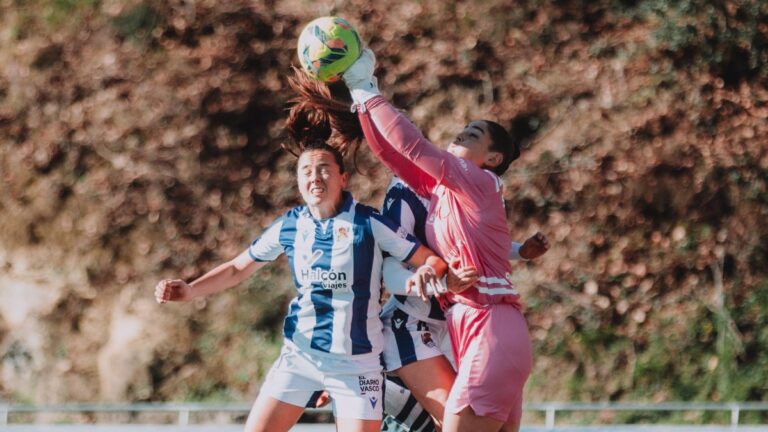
(320, 112)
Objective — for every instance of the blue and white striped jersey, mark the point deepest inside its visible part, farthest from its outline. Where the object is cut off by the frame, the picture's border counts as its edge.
(407, 209)
(336, 265)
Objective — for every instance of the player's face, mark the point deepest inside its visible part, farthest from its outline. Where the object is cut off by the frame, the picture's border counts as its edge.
(473, 143)
(320, 179)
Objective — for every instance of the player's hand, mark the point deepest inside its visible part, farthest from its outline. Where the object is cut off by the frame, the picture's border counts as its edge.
(460, 278)
(359, 79)
(361, 70)
(172, 290)
(323, 400)
(536, 246)
(422, 280)
(443, 301)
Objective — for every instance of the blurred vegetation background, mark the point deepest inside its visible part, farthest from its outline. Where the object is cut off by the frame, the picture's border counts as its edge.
(141, 140)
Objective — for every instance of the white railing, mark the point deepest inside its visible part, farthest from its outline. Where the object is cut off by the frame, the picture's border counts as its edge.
(550, 409)
(182, 410)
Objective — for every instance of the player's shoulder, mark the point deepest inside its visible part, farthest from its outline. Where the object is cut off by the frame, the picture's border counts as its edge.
(494, 179)
(296, 212)
(396, 183)
(398, 186)
(365, 210)
(399, 190)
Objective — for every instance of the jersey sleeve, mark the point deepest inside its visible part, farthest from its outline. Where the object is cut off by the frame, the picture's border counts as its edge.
(392, 130)
(396, 274)
(392, 239)
(267, 247)
(514, 253)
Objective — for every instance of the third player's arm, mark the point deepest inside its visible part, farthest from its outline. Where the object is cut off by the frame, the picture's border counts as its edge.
(226, 275)
(425, 256)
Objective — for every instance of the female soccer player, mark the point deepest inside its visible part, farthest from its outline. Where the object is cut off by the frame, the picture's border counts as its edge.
(466, 222)
(416, 343)
(333, 334)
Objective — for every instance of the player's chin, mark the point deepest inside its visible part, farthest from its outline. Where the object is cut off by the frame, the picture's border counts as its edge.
(314, 198)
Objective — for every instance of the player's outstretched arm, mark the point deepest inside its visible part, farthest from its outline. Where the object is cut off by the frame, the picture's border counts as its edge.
(224, 276)
(363, 87)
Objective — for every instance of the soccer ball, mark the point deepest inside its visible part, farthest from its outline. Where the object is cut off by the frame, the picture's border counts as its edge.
(327, 47)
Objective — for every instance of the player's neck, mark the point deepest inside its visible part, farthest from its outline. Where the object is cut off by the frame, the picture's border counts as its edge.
(325, 211)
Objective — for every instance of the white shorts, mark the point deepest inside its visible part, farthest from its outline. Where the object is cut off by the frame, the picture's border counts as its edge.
(355, 386)
(407, 339)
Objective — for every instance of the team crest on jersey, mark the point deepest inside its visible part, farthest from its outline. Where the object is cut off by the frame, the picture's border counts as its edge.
(342, 233)
(426, 339)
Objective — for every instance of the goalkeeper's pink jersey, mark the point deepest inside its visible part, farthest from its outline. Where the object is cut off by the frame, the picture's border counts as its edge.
(466, 212)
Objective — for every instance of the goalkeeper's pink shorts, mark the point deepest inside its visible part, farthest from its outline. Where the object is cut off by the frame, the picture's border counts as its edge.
(493, 353)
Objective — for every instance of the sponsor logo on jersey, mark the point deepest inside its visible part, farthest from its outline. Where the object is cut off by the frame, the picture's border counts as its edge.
(311, 260)
(389, 203)
(402, 232)
(328, 279)
(373, 401)
(367, 384)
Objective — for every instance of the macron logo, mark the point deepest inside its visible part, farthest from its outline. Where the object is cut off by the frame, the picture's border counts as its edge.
(398, 323)
(373, 401)
(390, 202)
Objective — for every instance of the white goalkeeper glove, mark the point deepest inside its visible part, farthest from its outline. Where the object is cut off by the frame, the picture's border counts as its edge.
(360, 81)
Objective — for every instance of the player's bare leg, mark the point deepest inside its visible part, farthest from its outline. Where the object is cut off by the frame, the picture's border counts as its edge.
(430, 383)
(357, 425)
(468, 421)
(512, 426)
(271, 415)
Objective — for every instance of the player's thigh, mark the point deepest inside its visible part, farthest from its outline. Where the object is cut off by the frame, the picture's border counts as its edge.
(511, 426)
(271, 415)
(357, 425)
(467, 421)
(430, 382)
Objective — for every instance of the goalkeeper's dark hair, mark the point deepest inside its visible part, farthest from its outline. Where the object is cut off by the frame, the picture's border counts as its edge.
(503, 142)
(320, 113)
